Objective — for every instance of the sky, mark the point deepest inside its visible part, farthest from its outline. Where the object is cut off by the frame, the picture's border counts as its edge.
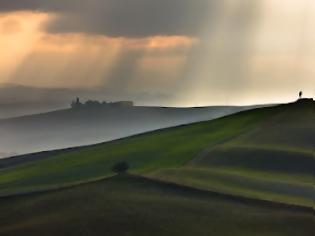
(165, 52)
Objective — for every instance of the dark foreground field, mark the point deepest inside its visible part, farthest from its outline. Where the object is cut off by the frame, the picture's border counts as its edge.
(126, 205)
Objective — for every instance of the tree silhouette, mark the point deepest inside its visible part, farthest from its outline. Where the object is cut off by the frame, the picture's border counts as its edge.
(120, 168)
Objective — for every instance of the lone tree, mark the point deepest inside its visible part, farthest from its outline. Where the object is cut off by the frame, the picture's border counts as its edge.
(120, 168)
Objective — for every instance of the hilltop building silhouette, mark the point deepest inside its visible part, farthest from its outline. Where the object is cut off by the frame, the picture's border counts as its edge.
(76, 104)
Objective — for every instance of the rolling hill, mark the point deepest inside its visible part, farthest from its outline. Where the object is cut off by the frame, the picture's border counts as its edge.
(68, 128)
(252, 171)
(270, 144)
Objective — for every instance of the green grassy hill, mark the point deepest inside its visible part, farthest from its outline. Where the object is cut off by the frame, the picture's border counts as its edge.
(264, 153)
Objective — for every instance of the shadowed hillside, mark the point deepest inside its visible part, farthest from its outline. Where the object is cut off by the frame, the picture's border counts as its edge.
(127, 205)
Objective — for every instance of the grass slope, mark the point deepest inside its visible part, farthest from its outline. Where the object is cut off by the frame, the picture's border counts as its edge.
(127, 205)
(264, 153)
(240, 184)
(152, 151)
(274, 161)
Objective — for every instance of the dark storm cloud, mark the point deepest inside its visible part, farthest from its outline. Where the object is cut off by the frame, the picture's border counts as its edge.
(17, 5)
(130, 18)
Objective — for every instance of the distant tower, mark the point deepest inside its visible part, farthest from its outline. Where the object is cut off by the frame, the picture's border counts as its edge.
(300, 94)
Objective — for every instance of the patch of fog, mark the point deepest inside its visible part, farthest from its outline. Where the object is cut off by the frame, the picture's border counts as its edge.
(18, 110)
(70, 128)
(7, 154)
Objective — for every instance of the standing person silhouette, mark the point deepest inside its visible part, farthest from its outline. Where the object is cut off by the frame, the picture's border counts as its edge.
(300, 94)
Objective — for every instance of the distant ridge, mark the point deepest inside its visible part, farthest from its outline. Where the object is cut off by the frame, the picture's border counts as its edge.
(88, 125)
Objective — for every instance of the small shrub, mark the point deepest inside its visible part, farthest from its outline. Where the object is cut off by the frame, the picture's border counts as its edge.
(121, 167)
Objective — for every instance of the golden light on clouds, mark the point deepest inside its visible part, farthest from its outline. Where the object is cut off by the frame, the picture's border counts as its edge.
(241, 53)
(30, 56)
(72, 42)
(166, 74)
(266, 55)
(285, 46)
(19, 33)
